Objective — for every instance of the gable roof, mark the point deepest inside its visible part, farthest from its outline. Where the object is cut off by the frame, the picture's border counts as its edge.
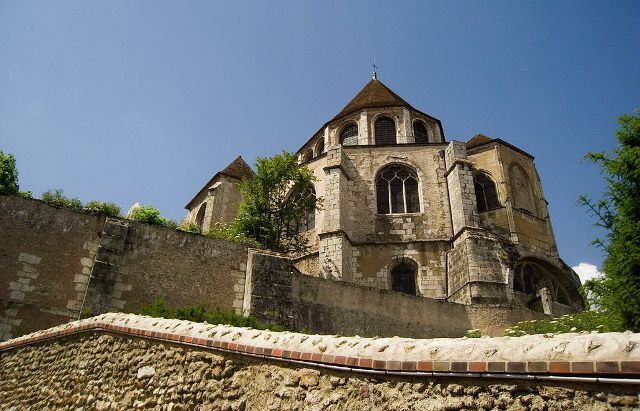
(237, 169)
(373, 94)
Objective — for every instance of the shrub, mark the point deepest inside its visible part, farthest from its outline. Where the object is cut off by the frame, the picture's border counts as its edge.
(189, 227)
(57, 198)
(473, 333)
(228, 232)
(200, 313)
(110, 209)
(584, 321)
(151, 215)
(8, 174)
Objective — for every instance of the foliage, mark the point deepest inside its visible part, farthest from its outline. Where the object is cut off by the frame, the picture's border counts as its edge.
(151, 215)
(189, 227)
(8, 174)
(274, 204)
(585, 321)
(228, 232)
(110, 209)
(57, 198)
(200, 313)
(475, 333)
(617, 293)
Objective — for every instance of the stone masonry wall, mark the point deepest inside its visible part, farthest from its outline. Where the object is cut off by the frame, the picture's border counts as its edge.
(46, 255)
(128, 362)
(277, 293)
(58, 265)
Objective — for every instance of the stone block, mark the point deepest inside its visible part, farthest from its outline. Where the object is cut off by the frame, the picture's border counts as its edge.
(29, 258)
(112, 243)
(116, 228)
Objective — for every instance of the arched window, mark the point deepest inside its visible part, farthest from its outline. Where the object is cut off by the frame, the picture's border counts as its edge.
(521, 188)
(486, 194)
(200, 216)
(307, 155)
(349, 135)
(320, 147)
(308, 220)
(397, 190)
(403, 278)
(531, 275)
(420, 132)
(385, 129)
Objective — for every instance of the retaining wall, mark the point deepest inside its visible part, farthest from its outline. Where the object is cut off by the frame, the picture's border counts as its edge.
(57, 265)
(119, 361)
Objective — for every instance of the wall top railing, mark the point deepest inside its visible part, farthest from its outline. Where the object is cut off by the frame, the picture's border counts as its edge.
(588, 357)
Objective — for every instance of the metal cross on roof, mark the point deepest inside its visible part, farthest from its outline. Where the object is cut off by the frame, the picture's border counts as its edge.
(375, 75)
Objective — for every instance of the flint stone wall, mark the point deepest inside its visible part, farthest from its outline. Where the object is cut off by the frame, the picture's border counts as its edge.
(66, 368)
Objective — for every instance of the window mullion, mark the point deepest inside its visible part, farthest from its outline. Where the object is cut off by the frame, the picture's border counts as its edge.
(404, 197)
(389, 196)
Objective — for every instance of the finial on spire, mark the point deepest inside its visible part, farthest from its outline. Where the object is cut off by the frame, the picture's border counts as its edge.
(374, 76)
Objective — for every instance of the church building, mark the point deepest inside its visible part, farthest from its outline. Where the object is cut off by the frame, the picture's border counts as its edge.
(405, 210)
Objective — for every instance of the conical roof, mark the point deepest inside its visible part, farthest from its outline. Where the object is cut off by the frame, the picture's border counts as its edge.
(374, 94)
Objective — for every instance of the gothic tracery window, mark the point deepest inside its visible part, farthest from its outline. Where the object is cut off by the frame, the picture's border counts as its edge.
(403, 278)
(349, 135)
(486, 194)
(397, 190)
(307, 155)
(420, 132)
(385, 131)
(531, 276)
(308, 221)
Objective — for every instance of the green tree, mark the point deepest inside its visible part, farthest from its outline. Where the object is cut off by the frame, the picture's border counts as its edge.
(276, 202)
(617, 293)
(8, 174)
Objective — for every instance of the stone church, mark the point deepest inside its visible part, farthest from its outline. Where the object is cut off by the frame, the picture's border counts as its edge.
(405, 210)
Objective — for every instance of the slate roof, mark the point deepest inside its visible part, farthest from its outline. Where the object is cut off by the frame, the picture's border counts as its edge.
(237, 169)
(374, 94)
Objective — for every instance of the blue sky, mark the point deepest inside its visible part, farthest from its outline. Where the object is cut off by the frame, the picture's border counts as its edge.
(144, 101)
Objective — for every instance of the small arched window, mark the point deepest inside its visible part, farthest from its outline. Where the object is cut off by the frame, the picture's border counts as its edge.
(308, 220)
(397, 190)
(200, 216)
(420, 132)
(385, 131)
(307, 155)
(320, 147)
(349, 135)
(486, 194)
(521, 189)
(403, 278)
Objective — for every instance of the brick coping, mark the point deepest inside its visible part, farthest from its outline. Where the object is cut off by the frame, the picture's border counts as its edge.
(619, 355)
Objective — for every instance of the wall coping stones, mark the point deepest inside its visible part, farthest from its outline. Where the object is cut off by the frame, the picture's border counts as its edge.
(614, 355)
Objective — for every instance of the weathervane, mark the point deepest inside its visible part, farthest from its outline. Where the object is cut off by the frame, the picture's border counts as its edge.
(375, 75)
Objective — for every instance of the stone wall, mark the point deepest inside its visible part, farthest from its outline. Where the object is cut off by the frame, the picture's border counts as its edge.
(58, 265)
(128, 362)
(46, 255)
(276, 292)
